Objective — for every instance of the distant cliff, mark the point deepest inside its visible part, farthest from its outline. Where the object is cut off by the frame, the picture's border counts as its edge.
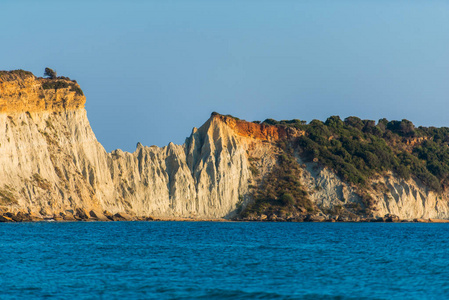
(52, 166)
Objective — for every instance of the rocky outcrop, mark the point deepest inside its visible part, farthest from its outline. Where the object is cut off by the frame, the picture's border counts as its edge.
(21, 91)
(53, 167)
(406, 199)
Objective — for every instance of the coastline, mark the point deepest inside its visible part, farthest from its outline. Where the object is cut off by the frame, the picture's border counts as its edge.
(23, 218)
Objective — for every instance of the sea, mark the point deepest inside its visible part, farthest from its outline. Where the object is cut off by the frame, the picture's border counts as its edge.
(223, 260)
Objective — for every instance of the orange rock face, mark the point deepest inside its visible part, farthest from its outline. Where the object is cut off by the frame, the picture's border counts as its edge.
(23, 92)
(262, 132)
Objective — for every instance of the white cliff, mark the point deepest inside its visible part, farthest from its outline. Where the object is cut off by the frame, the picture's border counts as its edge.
(51, 165)
(407, 199)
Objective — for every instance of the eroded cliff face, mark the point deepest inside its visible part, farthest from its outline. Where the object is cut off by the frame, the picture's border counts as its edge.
(204, 178)
(52, 166)
(51, 161)
(407, 199)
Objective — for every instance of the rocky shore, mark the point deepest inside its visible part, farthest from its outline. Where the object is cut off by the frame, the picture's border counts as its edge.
(388, 218)
(92, 216)
(70, 216)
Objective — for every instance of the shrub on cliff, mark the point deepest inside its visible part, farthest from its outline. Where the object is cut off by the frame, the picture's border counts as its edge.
(11, 75)
(50, 73)
(61, 84)
(270, 122)
(49, 85)
(76, 89)
(280, 190)
(402, 128)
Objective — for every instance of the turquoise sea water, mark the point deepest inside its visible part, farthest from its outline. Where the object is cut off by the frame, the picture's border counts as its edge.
(206, 260)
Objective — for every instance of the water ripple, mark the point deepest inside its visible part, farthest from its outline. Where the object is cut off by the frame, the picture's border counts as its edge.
(185, 260)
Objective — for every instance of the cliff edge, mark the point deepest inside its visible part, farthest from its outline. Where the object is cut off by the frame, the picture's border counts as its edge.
(21, 91)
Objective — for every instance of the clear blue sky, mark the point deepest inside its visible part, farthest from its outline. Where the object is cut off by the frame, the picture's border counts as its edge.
(152, 70)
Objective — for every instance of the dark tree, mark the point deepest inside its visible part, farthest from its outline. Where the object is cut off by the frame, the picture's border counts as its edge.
(382, 124)
(334, 121)
(50, 73)
(354, 122)
(403, 128)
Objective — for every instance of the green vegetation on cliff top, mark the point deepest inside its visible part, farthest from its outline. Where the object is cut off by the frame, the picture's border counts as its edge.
(62, 84)
(53, 82)
(11, 75)
(359, 149)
